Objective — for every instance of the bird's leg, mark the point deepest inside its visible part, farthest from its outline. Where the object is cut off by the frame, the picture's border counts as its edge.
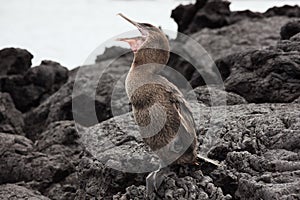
(155, 179)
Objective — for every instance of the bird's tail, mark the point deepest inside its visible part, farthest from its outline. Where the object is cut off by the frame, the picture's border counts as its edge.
(201, 158)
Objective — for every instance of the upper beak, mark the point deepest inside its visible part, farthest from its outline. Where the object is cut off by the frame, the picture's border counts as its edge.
(129, 20)
(141, 28)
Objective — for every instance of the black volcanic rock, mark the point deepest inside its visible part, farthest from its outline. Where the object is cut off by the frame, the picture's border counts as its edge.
(14, 61)
(216, 14)
(16, 192)
(259, 145)
(45, 154)
(204, 95)
(57, 107)
(19, 162)
(219, 43)
(287, 10)
(88, 91)
(183, 14)
(290, 29)
(113, 53)
(192, 186)
(11, 120)
(263, 75)
(30, 89)
(208, 14)
(48, 165)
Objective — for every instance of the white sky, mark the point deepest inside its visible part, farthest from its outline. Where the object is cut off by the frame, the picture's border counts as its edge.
(67, 31)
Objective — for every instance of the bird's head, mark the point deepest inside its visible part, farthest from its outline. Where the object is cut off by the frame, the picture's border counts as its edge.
(151, 47)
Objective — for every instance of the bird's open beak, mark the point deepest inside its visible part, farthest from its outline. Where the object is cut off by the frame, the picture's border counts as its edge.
(141, 28)
(135, 42)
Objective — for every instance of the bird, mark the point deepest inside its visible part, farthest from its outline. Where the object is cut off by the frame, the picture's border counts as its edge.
(160, 110)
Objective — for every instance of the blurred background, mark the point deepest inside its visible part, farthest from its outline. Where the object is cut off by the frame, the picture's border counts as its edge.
(68, 31)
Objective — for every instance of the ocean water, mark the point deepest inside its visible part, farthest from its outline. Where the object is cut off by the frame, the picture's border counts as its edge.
(68, 31)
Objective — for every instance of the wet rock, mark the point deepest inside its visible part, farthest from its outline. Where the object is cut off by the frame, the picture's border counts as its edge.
(290, 29)
(37, 84)
(14, 61)
(11, 120)
(16, 192)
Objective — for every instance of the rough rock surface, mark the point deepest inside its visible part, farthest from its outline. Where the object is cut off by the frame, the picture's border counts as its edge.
(219, 43)
(261, 152)
(16, 192)
(48, 165)
(208, 14)
(43, 154)
(11, 120)
(270, 75)
(290, 29)
(253, 140)
(14, 61)
(205, 94)
(88, 90)
(287, 10)
(31, 87)
(192, 186)
(216, 14)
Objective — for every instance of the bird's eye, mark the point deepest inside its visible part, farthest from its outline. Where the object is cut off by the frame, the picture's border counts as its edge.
(146, 24)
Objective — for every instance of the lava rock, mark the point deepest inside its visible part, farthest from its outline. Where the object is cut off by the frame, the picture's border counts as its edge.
(87, 97)
(263, 145)
(286, 10)
(219, 43)
(60, 138)
(191, 186)
(113, 53)
(19, 162)
(11, 120)
(14, 61)
(208, 14)
(97, 180)
(16, 192)
(213, 96)
(49, 75)
(183, 14)
(37, 84)
(216, 14)
(290, 29)
(292, 45)
(254, 139)
(264, 75)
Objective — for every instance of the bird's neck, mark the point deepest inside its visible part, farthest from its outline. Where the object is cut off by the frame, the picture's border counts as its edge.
(150, 60)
